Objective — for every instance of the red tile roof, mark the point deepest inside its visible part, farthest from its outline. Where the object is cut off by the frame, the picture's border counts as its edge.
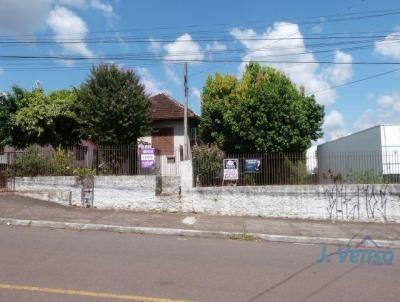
(163, 107)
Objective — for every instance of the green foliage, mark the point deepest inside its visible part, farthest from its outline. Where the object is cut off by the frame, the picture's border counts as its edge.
(248, 179)
(83, 172)
(332, 176)
(44, 162)
(34, 117)
(113, 106)
(62, 163)
(296, 172)
(365, 177)
(31, 163)
(261, 112)
(207, 162)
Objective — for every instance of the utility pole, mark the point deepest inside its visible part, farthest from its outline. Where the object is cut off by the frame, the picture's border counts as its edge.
(185, 115)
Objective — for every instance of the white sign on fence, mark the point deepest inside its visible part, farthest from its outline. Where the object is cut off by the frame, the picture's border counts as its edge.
(231, 169)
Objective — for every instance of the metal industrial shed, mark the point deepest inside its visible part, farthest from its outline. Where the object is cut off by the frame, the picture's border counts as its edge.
(375, 150)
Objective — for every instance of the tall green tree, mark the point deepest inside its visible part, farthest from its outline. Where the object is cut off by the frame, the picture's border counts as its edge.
(113, 106)
(261, 112)
(34, 117)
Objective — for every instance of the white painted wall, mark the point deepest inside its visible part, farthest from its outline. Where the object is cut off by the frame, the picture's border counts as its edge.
(168, 168)
(390, 141)
(326, 202)
(370, 149)
(111, 192)
(6, 157)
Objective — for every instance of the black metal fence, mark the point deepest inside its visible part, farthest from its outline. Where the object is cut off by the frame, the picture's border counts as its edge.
(297, 168)
(7, 173)
(78, 160)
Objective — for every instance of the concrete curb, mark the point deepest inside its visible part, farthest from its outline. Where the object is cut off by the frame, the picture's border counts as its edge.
(191, 233)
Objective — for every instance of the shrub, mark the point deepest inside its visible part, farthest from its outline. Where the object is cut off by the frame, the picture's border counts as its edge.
(83, 172)
(297, 172)
(365, 177)
(207, 163)
(31, 163)
(35, 162)
(62, 163)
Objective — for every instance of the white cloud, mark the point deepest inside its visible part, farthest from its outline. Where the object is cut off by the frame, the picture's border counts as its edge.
(18, 17)
(67, 25)
(107, 9)
(22, 17)
(196, 92)
(216, 46)
(150, 83)
(367, 119)
(389, 46)
(171, 74)
(155, 46)
(334, 125)
(334, 120)
(260, 47)
(183, 49)
(388, 111)
(99, 5)
(317, 29)
(391, 102)
(74, 3)
(340, 74)
(121, 41)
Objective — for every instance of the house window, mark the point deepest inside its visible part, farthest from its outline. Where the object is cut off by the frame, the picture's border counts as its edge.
(181, 152)
(163, 140)
(80, 152)
(1, 150)
(170, 159)
(193, 133)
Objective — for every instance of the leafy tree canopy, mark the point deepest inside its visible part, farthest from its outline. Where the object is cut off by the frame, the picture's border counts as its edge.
(113, 106)
(34, 117)
(261, 112)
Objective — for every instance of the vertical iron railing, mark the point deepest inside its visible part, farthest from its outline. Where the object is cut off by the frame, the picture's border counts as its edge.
(302, 168)
(98, 160)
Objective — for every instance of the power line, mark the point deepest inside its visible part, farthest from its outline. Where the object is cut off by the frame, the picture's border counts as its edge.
(393, 36)
(158, 59)
(338, 17)
(357, 81)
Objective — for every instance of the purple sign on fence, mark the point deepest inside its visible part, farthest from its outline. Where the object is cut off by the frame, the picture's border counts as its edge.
(148, 158)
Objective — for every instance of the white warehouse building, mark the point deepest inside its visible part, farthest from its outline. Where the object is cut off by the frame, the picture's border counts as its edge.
(375, 149)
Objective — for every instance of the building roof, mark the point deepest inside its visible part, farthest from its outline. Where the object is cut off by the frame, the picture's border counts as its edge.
(164, 107)
(349, 135)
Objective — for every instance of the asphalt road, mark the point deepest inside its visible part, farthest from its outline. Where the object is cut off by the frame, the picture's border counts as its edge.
(56, 265)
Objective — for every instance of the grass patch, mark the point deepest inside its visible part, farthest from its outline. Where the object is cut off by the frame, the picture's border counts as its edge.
(243, 237)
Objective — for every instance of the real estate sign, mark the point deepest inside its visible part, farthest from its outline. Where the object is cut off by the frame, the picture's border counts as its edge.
(252, 165)
(231, 169)
(148, 158)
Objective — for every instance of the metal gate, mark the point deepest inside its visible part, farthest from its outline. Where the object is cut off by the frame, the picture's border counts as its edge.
(7, 172)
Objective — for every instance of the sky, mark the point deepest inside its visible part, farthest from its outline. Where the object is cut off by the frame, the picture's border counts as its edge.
(344, 52)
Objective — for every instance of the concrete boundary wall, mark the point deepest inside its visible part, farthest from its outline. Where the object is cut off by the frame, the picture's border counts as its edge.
(326, 202)
(172, 194)
(111, 192)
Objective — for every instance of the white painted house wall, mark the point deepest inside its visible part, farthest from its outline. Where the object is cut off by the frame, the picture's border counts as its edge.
(178, 132)
(6, 157)
(165, 167)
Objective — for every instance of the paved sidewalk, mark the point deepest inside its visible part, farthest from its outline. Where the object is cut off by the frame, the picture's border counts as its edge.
(23, 208)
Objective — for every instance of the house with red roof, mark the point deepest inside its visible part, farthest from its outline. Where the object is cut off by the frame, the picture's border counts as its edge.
(167, 123)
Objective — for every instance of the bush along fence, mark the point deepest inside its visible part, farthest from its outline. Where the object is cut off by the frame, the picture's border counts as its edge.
(212, 167)
(80, 161)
